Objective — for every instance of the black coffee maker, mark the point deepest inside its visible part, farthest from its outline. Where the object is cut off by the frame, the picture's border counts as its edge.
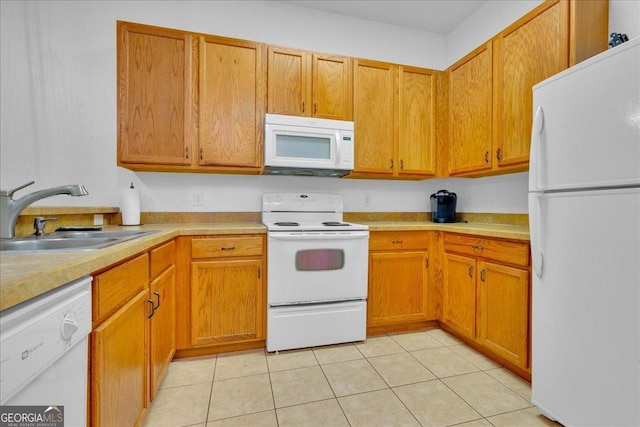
(443, 206)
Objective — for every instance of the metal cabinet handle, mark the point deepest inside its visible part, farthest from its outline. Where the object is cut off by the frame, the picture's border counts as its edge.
(303, 106)
(158, 299)
(401, 164)
(482, 274)
(186, 149)
(498, 153)
(486, 157)
(391, 166)
(426, 263)
(315, 108)
(477, 247)
(396, 241)
(153, 309)
(228, 248)
(470, 271)
(201, 154)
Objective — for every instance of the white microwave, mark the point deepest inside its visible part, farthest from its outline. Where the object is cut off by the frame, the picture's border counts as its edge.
(307, 146)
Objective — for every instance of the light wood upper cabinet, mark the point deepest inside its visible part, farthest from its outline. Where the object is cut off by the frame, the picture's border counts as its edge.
(416, 103)
(231, 103)
(394, 119)
(490, 110)
(153, 71)
(525, 54)
(374, 116)
(471, 112)
(309, 84)
(189, 102)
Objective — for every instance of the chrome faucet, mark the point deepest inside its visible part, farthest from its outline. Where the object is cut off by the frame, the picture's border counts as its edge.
(10, 209)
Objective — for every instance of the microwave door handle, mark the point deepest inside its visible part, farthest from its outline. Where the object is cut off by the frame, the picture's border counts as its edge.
(338, 147)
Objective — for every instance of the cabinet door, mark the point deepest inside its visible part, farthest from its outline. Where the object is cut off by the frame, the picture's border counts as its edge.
(231, 103)
(416, 144)
(459, 294)
(153, 78)
(373, 116)
(163, 326)
(503, 311)
(227, 301)
(332, 87)
(471, 112)
(397, 287)
(287, 81)
(525, 53)
(119, 366)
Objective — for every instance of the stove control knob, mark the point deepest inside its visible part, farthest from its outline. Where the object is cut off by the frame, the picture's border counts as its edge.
(69, 325)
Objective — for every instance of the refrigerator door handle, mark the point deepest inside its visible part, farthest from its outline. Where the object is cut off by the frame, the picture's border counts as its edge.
(535, 233)
(534, 155)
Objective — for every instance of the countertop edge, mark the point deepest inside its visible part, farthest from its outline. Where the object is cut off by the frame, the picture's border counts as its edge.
(42, 272)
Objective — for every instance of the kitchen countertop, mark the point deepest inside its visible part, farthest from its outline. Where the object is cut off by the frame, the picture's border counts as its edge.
(26, 275)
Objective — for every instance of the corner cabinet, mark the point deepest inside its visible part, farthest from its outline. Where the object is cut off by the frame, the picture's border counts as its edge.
(486, 295)
(490, 89)
(309, 84)
(399, 294)
(189, 102)
(222, 302)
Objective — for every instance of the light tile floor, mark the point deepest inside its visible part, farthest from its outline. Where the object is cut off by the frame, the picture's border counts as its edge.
(424, 378)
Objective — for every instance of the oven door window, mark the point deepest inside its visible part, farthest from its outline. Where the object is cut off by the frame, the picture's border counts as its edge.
(303, 147)
(319, 259)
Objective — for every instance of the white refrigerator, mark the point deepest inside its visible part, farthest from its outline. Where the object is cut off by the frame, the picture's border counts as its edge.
(584, 216)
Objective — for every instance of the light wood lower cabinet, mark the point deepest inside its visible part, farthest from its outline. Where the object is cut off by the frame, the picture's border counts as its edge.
(486, 295)
(119, 366)
(503, 311)
(222, 301)
(459, 294)
(398, 279)
(133, 337)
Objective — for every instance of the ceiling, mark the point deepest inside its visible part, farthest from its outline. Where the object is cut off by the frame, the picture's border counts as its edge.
(438, 16)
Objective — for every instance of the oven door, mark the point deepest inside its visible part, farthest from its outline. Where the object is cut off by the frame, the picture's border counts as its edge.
(306, 267)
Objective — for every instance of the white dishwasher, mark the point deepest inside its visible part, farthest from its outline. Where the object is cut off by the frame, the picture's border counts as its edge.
(44, 356)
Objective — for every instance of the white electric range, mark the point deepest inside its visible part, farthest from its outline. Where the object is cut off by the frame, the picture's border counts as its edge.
(317, 271)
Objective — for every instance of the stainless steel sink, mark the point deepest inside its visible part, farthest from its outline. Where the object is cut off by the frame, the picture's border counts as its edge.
(70, 241)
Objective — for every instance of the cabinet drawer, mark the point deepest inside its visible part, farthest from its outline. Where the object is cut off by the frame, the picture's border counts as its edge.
(217, 247)
(162, 257)
(498, 250)
(115, 287)
(390, 240)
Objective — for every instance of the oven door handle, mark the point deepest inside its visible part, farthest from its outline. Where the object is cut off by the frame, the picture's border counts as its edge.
(318, 236)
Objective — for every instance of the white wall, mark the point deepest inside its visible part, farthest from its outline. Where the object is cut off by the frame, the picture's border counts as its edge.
(58, 101)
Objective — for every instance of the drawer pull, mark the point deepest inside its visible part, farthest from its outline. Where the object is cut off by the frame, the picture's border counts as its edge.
(228, 248)
(396, 241)
(470, 271)
(478, 248)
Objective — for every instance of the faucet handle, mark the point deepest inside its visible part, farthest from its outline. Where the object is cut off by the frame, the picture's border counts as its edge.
(9, 193)
(39, 223)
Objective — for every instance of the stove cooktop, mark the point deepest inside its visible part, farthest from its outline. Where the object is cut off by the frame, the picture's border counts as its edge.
(315, 226)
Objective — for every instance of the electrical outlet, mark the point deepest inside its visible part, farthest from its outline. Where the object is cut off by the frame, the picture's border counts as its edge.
(197, 198)
(366, 200)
